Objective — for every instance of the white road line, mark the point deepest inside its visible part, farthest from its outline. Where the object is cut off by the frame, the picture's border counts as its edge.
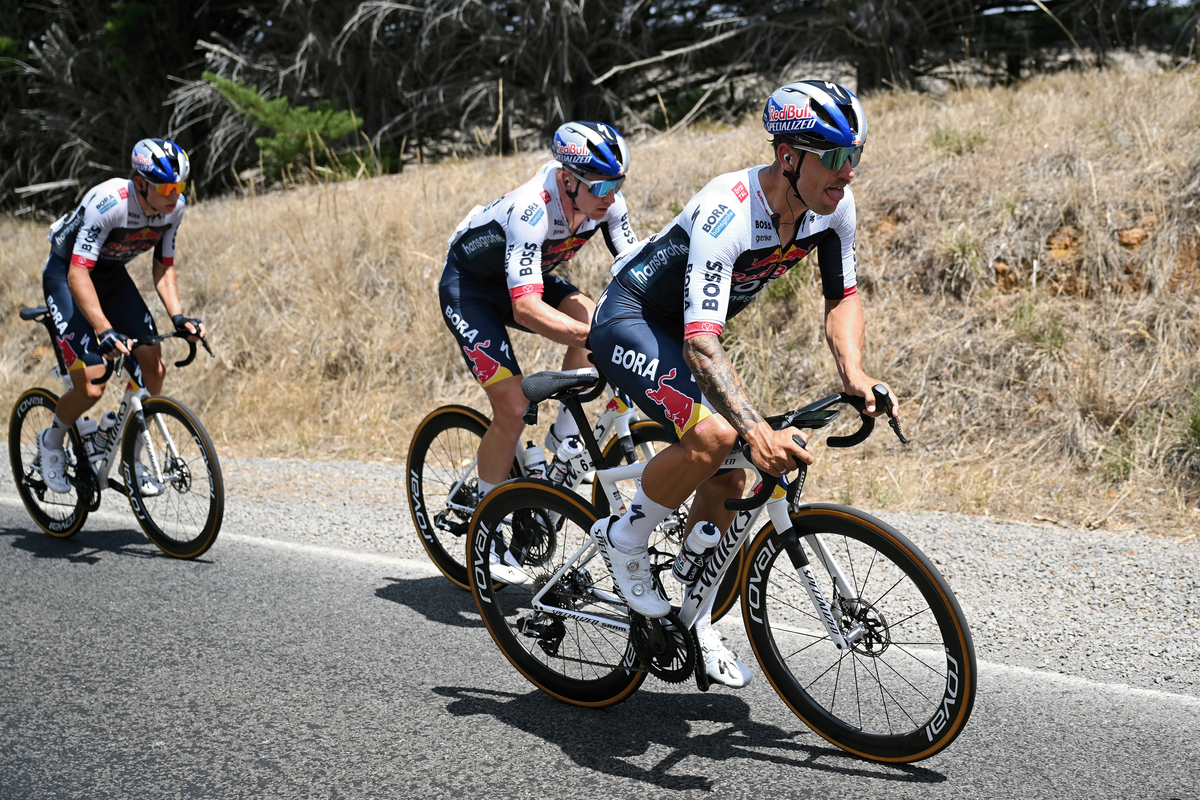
(424, 567)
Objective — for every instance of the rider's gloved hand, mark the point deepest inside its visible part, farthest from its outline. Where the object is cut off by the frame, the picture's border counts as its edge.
(110, 342)
(181, 325)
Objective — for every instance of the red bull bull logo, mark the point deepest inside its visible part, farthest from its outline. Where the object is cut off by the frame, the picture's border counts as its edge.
(683, 412)
(68, 353)
(487, 370)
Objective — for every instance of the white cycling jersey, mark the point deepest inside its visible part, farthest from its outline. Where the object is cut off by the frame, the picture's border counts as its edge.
(517, 239)
(108, 229)
(709, 262)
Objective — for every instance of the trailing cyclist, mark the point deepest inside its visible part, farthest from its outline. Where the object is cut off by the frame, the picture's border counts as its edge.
(657, 326)
(497, 275)
(93, 300)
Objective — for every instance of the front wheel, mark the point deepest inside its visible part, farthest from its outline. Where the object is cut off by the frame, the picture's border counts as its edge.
(173, 478)
(574, 643)
(60, 515)
(443, 483)
(905, 687)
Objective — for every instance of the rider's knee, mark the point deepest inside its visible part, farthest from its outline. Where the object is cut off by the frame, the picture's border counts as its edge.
(509, 407)
(731, 483)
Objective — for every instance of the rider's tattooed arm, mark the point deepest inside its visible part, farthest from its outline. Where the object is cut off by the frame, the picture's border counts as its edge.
(720, 382)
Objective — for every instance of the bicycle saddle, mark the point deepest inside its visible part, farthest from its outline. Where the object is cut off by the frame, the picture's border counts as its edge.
(544, 385)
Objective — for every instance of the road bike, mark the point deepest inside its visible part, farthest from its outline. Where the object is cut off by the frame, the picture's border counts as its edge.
(165, 458)
(442, 480)
(854, 627)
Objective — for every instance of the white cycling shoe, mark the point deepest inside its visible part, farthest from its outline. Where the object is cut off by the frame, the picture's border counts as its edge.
(53, 463)
(147, 484)
(722, 664)
(505, 568)
(631, 574)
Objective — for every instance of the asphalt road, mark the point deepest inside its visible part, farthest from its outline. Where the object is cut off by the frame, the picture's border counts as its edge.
(279, 669)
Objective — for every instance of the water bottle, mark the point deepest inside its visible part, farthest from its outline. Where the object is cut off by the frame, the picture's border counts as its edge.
(690, 561)
(567, 467)
(104, 431)
(534, 460)
(87, 432)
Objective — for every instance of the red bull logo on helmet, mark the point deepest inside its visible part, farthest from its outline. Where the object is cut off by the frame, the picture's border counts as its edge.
(681, 410)
(789, 118)
(486, 369)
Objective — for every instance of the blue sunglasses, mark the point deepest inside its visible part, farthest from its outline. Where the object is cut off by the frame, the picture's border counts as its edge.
(600, 188)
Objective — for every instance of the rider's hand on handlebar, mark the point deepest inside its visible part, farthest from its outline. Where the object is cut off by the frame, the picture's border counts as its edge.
(861, 386)
(774, 452)
(111, 345)
(192, 326)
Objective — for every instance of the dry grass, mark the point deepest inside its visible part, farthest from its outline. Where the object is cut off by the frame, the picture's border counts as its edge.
(1028, 259)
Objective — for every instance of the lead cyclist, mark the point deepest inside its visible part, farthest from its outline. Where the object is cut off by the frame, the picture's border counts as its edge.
(656, 331)
(497, 276)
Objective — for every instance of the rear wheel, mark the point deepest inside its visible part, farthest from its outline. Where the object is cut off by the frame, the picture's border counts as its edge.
(905, 687)
(60, 515)
(576, 645)
(442, 484)
(174, 481)
(649, 438)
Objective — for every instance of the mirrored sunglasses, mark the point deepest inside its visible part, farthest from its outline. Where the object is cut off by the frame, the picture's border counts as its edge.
(600, 188)
(165, 189)
(834, 159)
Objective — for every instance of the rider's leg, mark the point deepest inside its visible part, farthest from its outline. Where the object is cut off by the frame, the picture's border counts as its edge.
(504, 434)
(672, 475)
(73, 404)
(580, 307)
(149, 358)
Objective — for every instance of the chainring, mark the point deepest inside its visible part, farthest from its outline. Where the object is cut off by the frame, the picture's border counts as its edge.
(664, 646)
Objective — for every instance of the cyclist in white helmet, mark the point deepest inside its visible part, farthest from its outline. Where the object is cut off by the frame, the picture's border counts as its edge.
(657, 327)
(94, 303)
(497, 276)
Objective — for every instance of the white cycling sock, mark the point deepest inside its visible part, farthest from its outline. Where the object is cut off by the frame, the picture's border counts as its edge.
(58, 432)
(564, 424)
(704, 620)
(632, 531)
(484, 488)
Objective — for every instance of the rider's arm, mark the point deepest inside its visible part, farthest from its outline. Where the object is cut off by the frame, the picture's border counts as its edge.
(83, 293)
(618, 233)
(166, 283)
(531, 312)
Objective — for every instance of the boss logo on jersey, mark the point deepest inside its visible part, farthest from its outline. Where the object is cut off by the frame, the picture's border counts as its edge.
(740, 191)
(762, 225)
(106, 204)
(718, 220)
(528, 252)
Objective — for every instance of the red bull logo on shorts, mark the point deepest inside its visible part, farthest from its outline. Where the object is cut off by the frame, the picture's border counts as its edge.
(683, 412)
(68, 353)
(487, 370)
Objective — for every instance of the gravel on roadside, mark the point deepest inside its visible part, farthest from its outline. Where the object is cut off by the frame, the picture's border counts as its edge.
(1108, 606)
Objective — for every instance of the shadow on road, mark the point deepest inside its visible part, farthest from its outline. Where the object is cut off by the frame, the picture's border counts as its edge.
(609, 740)
(435, 598)
(87, 547)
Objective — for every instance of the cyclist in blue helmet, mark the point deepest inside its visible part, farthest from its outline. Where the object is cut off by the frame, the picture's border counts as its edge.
(657, 328)
(93, 300)
(498, 276)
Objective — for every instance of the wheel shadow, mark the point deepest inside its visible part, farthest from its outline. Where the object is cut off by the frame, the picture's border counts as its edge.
(435, 598)
(609, 740)
(87, 547)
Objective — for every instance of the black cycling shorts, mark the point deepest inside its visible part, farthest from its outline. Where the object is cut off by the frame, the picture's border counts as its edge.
(479, 313)
(120, 301)
(644, 358)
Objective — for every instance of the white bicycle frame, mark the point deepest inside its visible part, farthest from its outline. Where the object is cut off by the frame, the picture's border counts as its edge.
(131, 404)
(617, 417)
(717, 564)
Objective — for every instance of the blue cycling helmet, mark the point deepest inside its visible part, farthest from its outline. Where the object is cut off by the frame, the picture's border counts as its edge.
(160, 161)
(816, 114)
(591, 147)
